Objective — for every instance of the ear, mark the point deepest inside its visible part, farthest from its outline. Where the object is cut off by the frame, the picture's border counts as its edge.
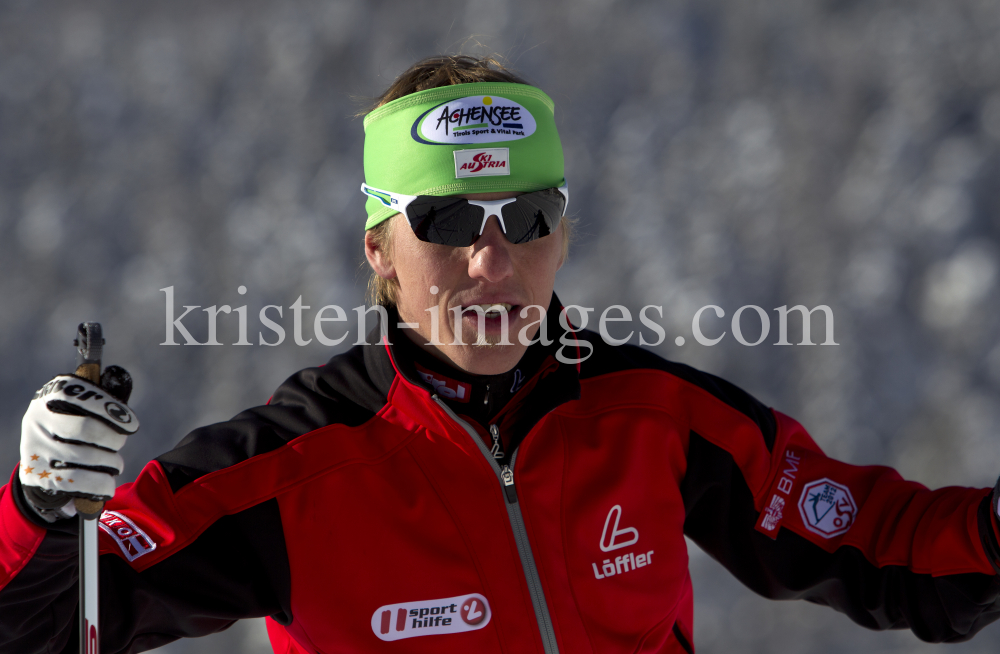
(377, 254)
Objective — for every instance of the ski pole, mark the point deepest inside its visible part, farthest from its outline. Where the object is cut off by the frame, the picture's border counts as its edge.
(89, 343)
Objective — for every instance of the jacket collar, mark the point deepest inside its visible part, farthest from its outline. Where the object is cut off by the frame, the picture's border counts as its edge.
(552, 384)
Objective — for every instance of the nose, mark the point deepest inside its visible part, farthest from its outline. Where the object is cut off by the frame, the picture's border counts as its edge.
(490, 258)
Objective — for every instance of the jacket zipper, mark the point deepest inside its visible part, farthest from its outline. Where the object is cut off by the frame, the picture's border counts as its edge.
(496, 452)
(505, 475)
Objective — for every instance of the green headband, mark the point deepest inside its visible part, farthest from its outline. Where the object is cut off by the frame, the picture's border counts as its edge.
(465, 138)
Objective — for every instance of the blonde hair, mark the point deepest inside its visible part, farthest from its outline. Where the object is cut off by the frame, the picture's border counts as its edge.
(380, 290)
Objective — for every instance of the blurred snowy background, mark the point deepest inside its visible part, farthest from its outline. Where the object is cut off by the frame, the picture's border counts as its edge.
(728, 152)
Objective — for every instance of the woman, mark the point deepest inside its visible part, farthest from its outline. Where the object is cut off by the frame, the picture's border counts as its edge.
(483, 475)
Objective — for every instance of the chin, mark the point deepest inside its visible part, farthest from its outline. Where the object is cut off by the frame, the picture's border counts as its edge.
(489, 341)
(489, 357)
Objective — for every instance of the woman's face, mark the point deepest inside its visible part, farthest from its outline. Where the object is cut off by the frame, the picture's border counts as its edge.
(436, 280)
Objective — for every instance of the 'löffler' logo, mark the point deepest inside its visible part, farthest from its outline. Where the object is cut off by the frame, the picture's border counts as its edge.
(617, 539)
(613, 543)
(449, 615)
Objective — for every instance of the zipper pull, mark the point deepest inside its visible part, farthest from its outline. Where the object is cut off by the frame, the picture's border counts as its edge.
(507, 476)
(495, 433)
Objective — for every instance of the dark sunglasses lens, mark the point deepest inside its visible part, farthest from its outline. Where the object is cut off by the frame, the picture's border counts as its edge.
(533, 216)
(445, 220)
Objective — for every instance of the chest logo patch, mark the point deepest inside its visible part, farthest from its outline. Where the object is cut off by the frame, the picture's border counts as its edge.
(618, 538)
(449, 615)
(827, 508)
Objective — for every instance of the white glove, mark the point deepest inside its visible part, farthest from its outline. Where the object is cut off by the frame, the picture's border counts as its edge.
(70, 437)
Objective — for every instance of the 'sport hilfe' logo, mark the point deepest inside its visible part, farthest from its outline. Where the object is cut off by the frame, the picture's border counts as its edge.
(827, 508)
(449, 615)
(473, 119)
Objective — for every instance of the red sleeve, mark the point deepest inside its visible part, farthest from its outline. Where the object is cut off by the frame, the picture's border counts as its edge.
(19, 537)
(891, 521)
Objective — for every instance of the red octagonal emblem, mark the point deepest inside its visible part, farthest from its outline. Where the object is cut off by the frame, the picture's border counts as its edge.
(827, 508)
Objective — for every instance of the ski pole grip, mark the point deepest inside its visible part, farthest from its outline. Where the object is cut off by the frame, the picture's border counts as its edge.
(89, 345)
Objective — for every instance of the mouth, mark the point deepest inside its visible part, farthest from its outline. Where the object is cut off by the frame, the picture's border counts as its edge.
(492, 310)
(491, 326)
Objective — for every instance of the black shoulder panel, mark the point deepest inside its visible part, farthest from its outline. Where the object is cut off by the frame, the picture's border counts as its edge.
(341, 392)
(607, 359)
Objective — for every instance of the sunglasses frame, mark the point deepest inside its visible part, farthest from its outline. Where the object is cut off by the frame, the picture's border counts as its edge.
(399, 202)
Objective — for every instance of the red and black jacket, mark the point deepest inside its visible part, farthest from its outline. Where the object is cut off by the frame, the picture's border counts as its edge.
(359, 514)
